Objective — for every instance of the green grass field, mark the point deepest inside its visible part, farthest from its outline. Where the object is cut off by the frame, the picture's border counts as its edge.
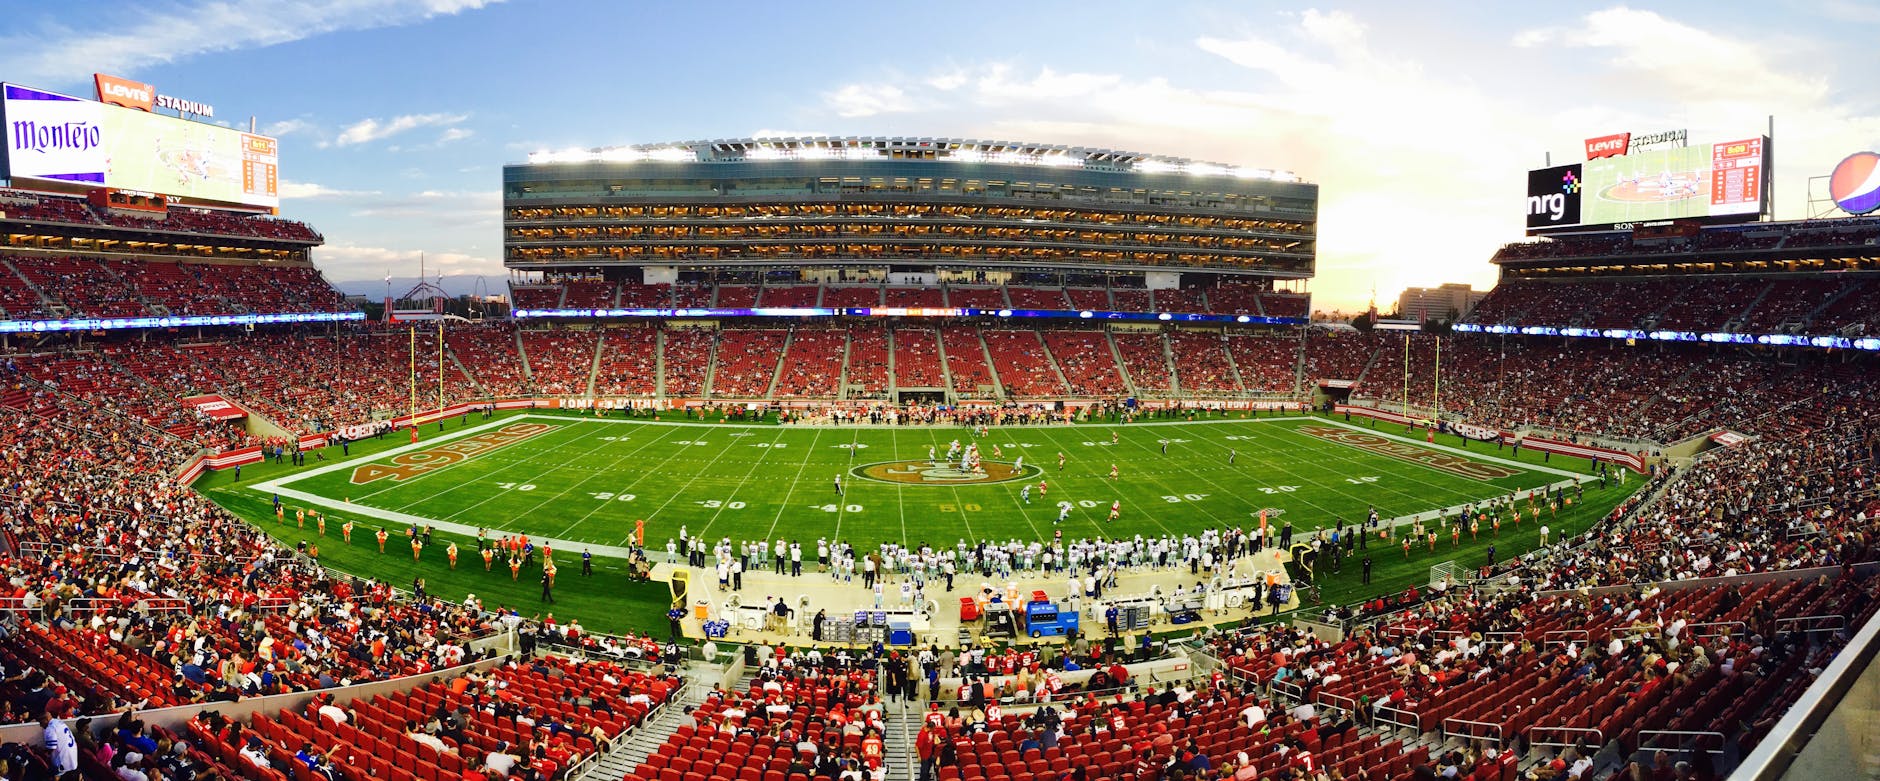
(587, 481)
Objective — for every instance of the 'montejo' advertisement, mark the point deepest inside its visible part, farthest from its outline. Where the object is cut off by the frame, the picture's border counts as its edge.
(61, 138)
(54, 137)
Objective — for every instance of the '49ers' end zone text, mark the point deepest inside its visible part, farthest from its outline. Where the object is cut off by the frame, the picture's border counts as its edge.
(1455, 465)
(420, 462)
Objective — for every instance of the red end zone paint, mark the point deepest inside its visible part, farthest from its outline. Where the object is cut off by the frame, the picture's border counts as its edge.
(414, 464)
(1434, 459)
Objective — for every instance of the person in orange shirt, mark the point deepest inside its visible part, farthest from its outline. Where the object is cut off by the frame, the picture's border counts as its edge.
(489, 558)
(321, 520)
(345, 531)
(382, 538)
(451, 553)
(515, 568)
(416, 547)
(300, 517)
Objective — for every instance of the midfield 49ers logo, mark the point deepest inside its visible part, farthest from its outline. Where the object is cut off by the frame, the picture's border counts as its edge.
(1433, 459)
(414, 464)
(930, 473)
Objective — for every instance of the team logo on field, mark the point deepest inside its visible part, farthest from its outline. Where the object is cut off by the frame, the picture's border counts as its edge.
(410, 465)
(931, 473)
(1434, 459)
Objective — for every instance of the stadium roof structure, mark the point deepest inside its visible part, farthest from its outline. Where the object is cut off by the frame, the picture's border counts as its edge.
(859, 148)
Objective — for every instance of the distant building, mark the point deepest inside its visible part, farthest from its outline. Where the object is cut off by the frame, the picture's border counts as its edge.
(1423, 303)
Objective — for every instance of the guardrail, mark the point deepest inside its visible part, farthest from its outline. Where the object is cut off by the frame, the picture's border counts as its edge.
(1566, 636)
(1833, 622)
(1449, 731)
(1704, 630)
(1536, 734)
(1645, 736)
(1397, 717)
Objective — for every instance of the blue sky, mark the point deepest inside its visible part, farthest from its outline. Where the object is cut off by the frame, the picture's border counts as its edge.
(1417, 119)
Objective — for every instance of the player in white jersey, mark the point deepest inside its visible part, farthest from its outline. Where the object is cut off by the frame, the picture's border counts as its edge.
(1064, 512)
(930, 454)
(1024, 492)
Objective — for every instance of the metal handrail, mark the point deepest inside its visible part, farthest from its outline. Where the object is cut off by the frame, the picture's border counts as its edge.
(1695, 630)
(1469, 734)
(1839, 623)
(1397, 717)
(1599, 738)
(1721, 739)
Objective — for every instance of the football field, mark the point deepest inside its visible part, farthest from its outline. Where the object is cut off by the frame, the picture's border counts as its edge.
(586, 482)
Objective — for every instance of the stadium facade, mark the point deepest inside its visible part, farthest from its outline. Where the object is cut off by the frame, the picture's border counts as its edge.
(957, 209)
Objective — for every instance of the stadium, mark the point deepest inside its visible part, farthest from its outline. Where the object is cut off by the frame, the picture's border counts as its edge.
(917, 458)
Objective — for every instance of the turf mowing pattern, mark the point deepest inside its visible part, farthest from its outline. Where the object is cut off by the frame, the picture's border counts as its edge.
(576, 478)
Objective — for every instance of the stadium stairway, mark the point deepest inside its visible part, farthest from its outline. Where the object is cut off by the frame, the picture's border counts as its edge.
(897, 741)
(594, 371)
(992, 367)
(783, 355)
(1368, 363)
(1045, 349)
(44, 300)
(465, 371)
(1174, 375)
(522, 356)
(1234, 366)
(946, 370)
(893, 381)
(646, 738)
(1122, 366)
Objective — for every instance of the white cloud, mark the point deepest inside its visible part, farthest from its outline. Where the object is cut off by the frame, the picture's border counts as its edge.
(867, 100)
(137, 37)
(285, 127)
(343, 263)
(292, 190)
(479, 209)
(1668, 57)
(374, 129)
(455, 134)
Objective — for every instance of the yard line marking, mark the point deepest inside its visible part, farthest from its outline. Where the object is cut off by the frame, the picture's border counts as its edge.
(809, 453)
(842, 506)
(1117, 488)
(730, 443)
(743, 482)
(499, 494)
(584, 433)
(610, 468)
(1279, 464)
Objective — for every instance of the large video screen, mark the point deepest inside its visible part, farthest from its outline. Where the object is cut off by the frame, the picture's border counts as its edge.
(1695, 182)
(1706, 182)
(60, 138)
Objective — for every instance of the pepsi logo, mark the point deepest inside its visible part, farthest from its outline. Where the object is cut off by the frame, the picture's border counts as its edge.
(1855, 183)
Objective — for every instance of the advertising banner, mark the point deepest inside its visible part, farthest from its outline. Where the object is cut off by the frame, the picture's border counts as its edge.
(62, 138)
